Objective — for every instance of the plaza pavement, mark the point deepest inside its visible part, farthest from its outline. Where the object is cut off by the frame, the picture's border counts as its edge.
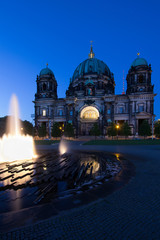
(132, 212)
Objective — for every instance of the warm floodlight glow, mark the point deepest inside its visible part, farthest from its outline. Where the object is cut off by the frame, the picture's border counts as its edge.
(16, 146)
(62, 147)
(117, 126)
(89, 113)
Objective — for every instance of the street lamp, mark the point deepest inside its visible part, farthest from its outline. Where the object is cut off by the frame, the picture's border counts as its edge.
(153, 125)
(117, 126)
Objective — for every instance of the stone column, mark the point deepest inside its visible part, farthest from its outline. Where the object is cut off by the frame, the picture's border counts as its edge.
(147, 77)
(130, 110)
(112, 113)
(135, 78)
(137, 126)
(148, 106)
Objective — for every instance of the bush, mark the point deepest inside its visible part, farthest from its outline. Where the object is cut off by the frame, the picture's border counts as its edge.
(69, 130)
(157, 129)
(145, 129)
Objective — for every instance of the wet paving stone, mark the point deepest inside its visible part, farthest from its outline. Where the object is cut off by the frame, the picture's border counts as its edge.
(131, 212)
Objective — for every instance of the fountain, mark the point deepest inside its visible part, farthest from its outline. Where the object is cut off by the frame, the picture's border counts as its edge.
(14, 145)
(26, 179)
(62, 146)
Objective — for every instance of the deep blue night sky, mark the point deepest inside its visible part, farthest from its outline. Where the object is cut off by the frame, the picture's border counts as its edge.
(33, 33)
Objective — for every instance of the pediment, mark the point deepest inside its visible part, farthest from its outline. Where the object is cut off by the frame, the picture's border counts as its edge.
(144, 114)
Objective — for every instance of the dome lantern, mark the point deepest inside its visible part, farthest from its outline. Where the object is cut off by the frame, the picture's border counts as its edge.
(91, 54)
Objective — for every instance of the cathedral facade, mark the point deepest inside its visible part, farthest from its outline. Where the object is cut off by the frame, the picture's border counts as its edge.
(90, 98)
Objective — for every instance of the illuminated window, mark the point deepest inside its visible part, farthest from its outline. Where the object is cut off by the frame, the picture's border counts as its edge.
(90, 113)
(71, 113)
(44, 112)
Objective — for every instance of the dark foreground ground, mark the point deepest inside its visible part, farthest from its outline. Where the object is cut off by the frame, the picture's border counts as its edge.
(132, 212)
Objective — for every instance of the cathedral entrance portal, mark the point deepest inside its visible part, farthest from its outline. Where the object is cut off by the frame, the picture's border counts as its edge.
(88, 116)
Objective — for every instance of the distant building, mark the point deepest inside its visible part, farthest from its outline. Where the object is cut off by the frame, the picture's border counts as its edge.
(91, 97)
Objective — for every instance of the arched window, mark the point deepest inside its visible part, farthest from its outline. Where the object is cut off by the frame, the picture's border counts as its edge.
(141, 108)
(60, 113)
(121, 110)
(108, 111)
(89, 91)
(71, 113)
(44, 113)
(44, 86)
(140, 78)
(89, 113)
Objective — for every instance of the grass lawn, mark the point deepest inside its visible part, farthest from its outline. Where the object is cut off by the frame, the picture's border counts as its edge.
(45, 142)
(124, 142)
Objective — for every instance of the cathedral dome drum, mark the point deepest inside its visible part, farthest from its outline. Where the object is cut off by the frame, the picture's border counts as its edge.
(91, 66)
(92, 77)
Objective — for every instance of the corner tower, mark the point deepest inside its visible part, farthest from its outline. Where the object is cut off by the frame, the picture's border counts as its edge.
(140, 94)
(46, 84)
(45, 98)
(139, 77)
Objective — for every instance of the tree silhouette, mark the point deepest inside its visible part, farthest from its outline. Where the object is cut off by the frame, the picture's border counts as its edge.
(157, 129)
(42, 132)
(56, 131)
(95, 131)
(145, 129)
(126, 130)
(112, 130)
(69, 130)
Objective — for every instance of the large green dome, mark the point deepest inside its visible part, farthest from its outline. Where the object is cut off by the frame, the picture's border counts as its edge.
(138, 62)
(89, 66)
(46, 71)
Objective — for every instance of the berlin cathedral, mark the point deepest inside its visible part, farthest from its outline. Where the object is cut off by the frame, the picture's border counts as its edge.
(90, 97)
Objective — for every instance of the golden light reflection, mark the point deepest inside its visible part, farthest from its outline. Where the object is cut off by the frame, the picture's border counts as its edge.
(91, 163)
(20, 174)
(117, 156)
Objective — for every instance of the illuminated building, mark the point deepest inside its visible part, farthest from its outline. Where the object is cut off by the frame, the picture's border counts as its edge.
(90, 97)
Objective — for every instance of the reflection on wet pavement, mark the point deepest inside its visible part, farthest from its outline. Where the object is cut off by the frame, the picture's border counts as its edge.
(23, 184)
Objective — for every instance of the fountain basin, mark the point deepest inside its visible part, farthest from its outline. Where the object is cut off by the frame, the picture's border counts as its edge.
(51, 176)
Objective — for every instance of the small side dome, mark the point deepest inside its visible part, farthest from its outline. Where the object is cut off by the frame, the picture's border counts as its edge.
(139, 62)
(46, 71)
